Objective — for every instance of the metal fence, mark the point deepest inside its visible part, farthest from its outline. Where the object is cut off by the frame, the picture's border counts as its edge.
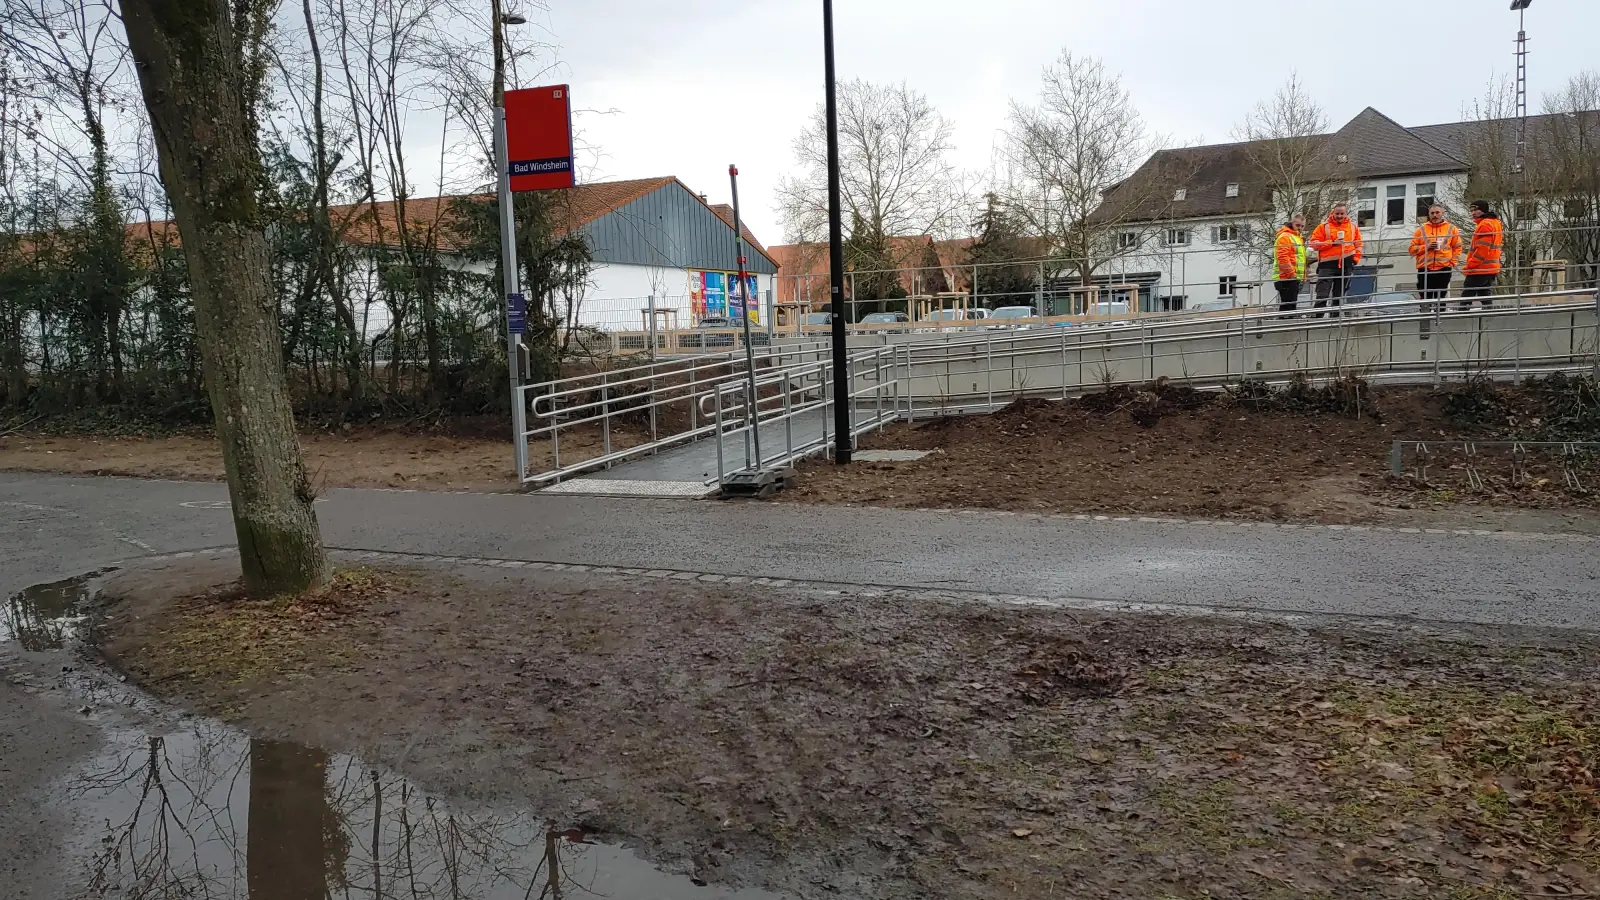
(787, 414)
(914, 374)
(1172, 278)
(612, 415)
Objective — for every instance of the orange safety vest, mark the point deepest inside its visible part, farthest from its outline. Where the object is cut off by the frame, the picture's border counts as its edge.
(1488, 247)
(1436, 248)
(1290, 253)
(1337, 241)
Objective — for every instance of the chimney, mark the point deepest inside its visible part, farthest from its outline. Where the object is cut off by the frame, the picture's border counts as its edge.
(703, 198)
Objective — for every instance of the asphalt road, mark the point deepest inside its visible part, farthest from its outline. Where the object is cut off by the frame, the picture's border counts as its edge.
(55, 527)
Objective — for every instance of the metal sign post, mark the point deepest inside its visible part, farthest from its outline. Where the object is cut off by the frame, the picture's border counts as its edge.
(532, 152)
(516, 303)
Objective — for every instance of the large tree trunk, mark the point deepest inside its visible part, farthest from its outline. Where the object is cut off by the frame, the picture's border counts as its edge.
(189, 68)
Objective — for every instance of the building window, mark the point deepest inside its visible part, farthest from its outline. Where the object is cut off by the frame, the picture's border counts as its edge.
(1527, 210)
(1427, 196)
(1128, 240)
(1227, 286)
(1575, 210)
(1173, 303)
(1233, 189)
(1177, 237)
(1366, 207)
(1395, 212)
(1230, 234)
(1180, 194)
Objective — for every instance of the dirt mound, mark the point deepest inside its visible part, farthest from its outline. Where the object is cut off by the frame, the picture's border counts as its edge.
(1300, 451)
(1557, 408)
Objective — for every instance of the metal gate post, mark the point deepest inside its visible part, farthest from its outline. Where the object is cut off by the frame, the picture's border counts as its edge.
(694, 399)
(1596, 375)
(1439, 341)
(721, 467)
(1063, 363)
(788, 418)
(1516, 377)
(605, 413)
(988, 365)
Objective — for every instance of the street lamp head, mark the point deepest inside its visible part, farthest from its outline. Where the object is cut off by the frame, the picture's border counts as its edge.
(514, 19)
(1518, 5)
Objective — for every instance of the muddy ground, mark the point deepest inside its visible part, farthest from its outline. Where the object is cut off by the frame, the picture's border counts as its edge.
(1169, 450)
(899, 745)
(366, 457)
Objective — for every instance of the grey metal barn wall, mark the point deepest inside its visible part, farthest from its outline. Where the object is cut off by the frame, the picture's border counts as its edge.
(669, 227)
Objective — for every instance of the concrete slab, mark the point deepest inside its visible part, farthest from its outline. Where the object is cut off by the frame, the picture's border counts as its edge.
(889, 455)
(619, 487)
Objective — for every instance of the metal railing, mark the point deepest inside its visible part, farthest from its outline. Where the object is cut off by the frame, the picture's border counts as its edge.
(797, 403)
(1397, 342)
(660, 398)
(788, 413)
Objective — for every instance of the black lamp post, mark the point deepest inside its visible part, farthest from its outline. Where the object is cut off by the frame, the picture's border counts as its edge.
(843, 441)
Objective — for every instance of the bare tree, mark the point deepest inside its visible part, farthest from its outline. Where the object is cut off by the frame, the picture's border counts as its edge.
(1062, 155)
(1568, 167)
(895, 172)
(1281, 139)
(196, 88)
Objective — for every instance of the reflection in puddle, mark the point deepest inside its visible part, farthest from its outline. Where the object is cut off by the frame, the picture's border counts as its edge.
(43, 617)
(207, 812)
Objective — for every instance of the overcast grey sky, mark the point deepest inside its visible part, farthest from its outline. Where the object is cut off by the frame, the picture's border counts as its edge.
(699, 84)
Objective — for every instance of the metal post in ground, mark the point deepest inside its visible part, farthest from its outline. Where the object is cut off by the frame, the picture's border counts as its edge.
(605, 414)
(1516, 377)
(1596, 374)
(516, 304)
(752, 412)
(841, 353)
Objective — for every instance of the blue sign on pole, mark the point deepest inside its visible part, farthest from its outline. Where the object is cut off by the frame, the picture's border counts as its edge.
(517, 313)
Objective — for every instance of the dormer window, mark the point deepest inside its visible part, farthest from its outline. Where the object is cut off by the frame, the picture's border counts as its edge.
(1233, 189)
(1180, 195)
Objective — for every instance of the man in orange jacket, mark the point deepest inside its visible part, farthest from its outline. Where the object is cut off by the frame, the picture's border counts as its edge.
(1338, 245)
(1483, 262)
(1437, 248)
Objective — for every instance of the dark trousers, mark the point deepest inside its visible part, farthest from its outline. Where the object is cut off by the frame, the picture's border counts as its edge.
(1433, 285)
(1288, 294)
(1333, 281)
(1478, 286)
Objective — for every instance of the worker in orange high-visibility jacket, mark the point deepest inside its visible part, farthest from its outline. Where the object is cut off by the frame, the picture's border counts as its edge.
(1338, 245)
(1437, 249)
(1289, 254)
(1484, 256)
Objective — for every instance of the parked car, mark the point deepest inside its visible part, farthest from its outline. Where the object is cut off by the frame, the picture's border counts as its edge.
(714, 332)
(1388, 303)
(1220, 303)
(880, 319)
(816, 320)
(1009, 316)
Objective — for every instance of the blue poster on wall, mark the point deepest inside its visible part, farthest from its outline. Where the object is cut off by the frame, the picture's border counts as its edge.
(716, 295)
(736, 298)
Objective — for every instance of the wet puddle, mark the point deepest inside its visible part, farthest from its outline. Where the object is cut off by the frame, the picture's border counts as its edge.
(44, 616)
(206, 811)
(209, 812)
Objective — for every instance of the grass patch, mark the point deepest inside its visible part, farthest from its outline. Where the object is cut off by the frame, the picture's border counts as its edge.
(224, 637)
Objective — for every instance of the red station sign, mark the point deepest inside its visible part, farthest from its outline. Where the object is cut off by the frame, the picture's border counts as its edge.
(539, 138)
